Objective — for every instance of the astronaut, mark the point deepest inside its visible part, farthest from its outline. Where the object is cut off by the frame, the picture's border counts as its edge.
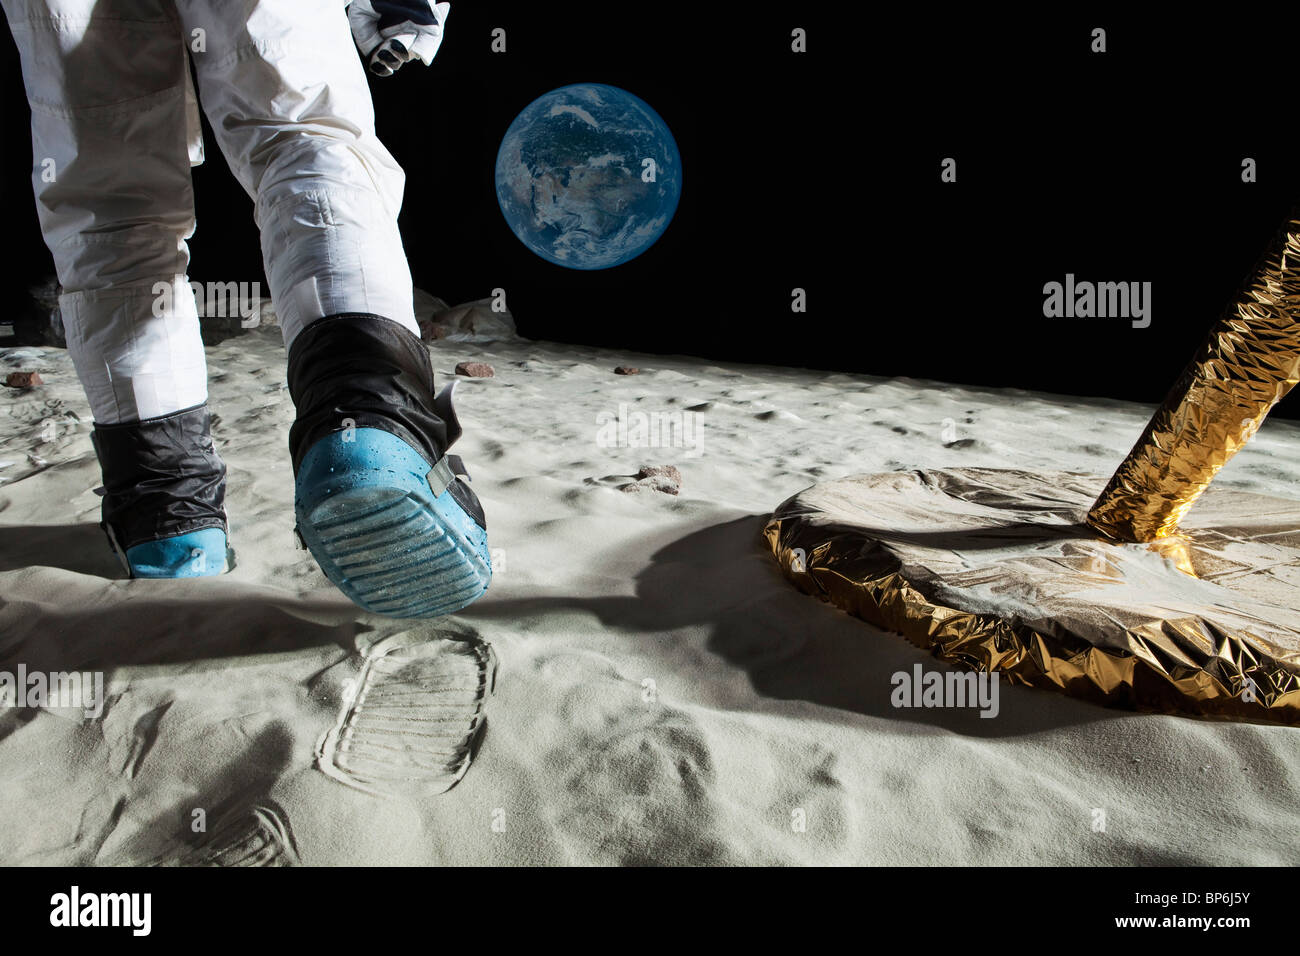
(385, 511)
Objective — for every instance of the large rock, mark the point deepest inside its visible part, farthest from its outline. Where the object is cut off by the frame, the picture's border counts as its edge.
(468, 322)
(426, 307)
(266, 313)
(36, 318)
(230, 319)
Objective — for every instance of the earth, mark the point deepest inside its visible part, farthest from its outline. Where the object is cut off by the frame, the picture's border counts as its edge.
(588, 176)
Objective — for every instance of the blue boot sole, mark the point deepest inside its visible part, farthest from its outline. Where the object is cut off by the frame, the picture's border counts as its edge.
(370, 519)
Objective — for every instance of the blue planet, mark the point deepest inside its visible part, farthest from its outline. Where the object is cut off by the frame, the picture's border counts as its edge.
(588, 176)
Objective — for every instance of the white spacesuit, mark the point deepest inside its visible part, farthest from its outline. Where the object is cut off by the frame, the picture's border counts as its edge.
(115, 129)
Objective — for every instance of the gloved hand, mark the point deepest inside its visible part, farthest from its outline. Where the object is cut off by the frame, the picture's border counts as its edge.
(392, 32)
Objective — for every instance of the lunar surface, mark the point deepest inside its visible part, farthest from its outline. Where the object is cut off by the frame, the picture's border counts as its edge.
(639, 684)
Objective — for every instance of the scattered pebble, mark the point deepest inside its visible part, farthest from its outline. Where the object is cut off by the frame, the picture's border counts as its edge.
(475, 369)
(24, 379)
(626, 370)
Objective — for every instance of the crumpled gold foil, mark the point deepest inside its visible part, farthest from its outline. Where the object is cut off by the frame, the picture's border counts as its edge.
(1250, 360)
(996, 570)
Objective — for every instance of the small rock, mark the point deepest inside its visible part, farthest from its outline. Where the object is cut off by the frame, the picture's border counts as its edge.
(654, 471)
(475, 369)
(655, 483)
(24, 379)
(626, 370)
(662, 483)
(665, 478)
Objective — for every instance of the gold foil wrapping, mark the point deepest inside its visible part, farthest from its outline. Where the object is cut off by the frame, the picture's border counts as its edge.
(996, 570)
(1250, 360)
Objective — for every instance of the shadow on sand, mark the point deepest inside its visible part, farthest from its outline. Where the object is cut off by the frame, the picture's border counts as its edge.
(722, 577)
(72, 626)
(792, 646)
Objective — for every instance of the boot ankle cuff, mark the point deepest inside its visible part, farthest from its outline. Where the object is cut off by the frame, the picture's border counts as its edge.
(359, 370)
(162, 477)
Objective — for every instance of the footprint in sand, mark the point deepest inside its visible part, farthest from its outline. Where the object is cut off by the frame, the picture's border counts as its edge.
(256, 835)
(414, 718)
(642, 791)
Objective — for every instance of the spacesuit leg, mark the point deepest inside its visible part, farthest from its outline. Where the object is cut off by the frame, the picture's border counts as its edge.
(385, 511)
(112, 138)
(286, 94)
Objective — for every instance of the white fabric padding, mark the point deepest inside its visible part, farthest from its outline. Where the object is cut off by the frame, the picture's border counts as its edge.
(133, 364)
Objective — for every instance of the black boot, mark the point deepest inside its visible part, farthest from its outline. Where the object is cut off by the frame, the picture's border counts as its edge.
(164, 494)
(386, 512)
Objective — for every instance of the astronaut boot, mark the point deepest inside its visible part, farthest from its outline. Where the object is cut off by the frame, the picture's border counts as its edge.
(164, 494)
(387, 514)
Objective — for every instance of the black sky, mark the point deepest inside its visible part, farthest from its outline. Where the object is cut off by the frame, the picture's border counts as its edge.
(821, 171)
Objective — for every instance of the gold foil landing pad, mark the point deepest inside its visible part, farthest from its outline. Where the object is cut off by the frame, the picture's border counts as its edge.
(994, 569)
